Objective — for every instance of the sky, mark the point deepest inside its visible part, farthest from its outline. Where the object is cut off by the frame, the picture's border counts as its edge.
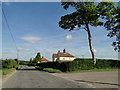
(35, 28)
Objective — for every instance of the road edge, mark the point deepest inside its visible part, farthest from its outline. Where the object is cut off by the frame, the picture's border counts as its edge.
(6, 77)
(85, 85)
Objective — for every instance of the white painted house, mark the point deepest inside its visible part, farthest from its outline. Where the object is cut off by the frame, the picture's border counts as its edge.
(63, 56)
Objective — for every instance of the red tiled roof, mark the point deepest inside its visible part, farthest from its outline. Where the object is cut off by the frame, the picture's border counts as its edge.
(45, 60)
(64, 54)
(60, 54)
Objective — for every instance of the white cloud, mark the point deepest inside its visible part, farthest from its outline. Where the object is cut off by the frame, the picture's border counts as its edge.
(22, 49)
(69, 37)
(31, 39)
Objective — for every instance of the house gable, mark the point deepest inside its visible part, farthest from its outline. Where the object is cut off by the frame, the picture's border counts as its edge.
(63, 56)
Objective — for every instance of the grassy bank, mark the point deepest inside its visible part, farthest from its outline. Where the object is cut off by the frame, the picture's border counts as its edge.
(7, 71)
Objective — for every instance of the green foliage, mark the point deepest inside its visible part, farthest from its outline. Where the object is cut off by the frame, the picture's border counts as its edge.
(54, 65)
(16, 60)
(102, 64)
(78, 64)
(7, 71)
(81, 64)
(113, 26)
(39, 67)
(111, 14)
(51, 70)
(37, 58)
(86, 13)
(9, 64)
(23, 62)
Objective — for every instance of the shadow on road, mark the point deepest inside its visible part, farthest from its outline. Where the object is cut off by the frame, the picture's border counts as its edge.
(97, 82)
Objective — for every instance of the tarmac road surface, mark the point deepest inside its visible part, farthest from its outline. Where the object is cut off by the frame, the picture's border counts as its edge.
(102, 79)
(28, 77)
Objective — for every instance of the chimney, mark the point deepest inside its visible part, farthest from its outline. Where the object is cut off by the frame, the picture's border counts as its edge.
(42, 57)
(58, 51)
(64, 51)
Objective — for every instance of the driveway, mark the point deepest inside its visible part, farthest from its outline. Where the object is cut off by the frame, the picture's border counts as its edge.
(104, 79)
(29, 77)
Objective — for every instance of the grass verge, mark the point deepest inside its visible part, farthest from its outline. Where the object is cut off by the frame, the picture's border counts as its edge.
(51, 70)
(7, 71)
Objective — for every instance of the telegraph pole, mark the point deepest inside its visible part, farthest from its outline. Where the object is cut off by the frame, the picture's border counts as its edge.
(17, 53)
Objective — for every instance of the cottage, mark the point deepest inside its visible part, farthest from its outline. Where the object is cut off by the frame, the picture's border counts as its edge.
(44, 59)
(63, 56)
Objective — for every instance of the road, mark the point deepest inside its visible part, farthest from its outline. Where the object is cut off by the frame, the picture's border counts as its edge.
(28, 77)
(103, 79)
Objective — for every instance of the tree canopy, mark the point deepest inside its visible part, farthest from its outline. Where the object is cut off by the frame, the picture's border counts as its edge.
(86, 14)
(113, 26)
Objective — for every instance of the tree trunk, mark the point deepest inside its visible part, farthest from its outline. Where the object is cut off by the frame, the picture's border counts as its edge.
(90, 44)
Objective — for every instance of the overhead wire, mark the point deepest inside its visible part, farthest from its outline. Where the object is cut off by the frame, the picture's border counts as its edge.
(9, 29)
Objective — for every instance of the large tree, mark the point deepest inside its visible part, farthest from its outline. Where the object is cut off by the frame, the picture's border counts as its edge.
(85, 14)
(112, 24)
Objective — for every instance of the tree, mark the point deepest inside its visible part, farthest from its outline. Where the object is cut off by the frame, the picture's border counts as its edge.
(85, 14)
(112, 24)
(37, 58)
(16, 60)
(31, 61)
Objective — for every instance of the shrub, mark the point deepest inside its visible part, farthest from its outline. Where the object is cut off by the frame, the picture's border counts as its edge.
(9, 64)
(39, 67)
(51, 70)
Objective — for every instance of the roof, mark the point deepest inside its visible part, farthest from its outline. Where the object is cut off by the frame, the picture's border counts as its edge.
(55, 55)
(63, 54)
(44, 59)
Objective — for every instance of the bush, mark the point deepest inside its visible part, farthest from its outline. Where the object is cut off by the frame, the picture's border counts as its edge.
(39, 67)
(9, 64)
(51, 70)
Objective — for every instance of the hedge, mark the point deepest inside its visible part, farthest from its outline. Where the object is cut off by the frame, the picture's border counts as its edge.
(81, 64)
(9, 64)
(23, 62)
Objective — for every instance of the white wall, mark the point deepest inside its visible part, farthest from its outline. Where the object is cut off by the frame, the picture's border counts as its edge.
(67, 58)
